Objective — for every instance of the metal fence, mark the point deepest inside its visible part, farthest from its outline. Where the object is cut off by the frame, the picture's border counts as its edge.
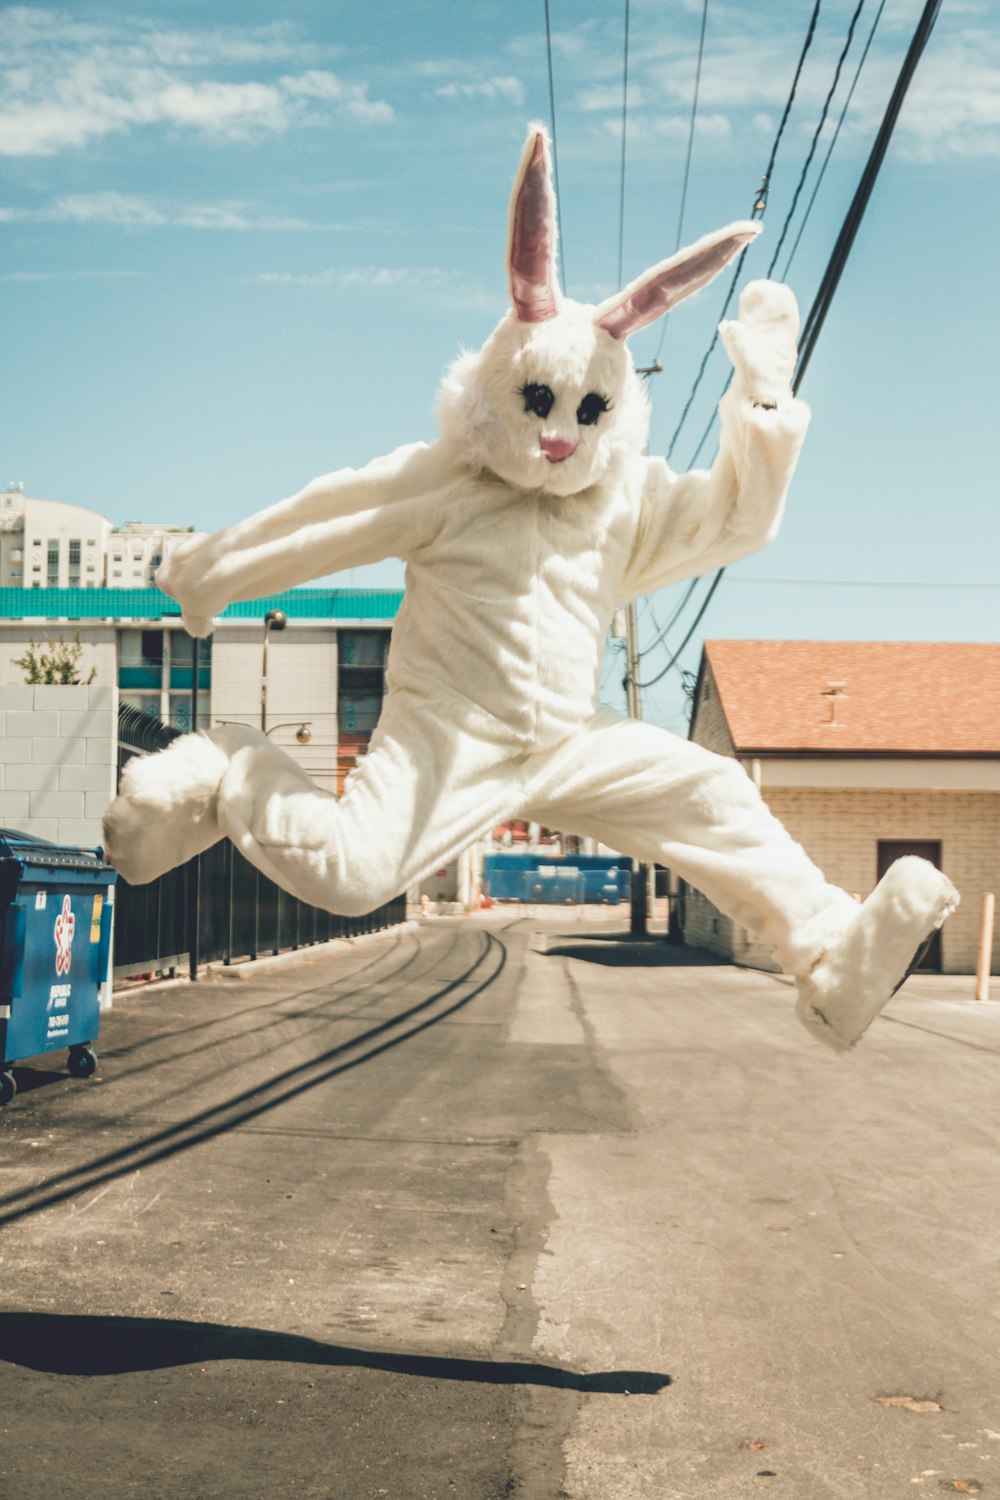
(217, 906)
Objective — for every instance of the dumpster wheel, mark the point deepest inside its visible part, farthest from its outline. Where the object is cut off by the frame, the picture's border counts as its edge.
(8, 1086)
(82, 1061)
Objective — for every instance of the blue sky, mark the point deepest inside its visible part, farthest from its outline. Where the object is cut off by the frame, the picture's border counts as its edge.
(238, 252)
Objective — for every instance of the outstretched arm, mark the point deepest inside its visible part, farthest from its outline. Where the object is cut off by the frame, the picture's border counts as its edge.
(341, 520)
(708, 518)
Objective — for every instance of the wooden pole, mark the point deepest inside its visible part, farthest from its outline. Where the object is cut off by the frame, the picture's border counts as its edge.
(639, 893)
(985, 946)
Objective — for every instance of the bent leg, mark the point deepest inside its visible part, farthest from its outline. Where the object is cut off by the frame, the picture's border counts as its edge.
(672, 802)
(664, 799)
(422, 794)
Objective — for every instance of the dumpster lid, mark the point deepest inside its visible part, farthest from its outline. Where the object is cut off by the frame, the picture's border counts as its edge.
(28, 849)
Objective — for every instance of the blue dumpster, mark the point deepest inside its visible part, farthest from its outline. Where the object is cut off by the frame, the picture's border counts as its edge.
(55, 944)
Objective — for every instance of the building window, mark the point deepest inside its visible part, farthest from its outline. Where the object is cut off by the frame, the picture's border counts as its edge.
(52, 574)
(156, 670)
(74, 562)
(360, 691)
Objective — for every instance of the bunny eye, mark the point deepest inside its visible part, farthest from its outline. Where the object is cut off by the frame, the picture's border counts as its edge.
(538, 399)
(590, 409)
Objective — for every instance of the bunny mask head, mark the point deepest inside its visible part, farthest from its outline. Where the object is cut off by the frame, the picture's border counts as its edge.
(552, 401)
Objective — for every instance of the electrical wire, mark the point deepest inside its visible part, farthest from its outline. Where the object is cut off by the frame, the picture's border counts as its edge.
(863, 583)
(621, 194)
(816, 135)
(671, 622)
(665, 322)
(555, 143)
(642, 686)
(795, 197)
(759, 209)
(859, 203)
(836, 136)
(845, 240)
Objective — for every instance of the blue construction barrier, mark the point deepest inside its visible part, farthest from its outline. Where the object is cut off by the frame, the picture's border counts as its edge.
(562, 880)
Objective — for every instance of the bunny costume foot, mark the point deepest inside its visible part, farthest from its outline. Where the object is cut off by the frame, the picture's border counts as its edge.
(844, 992)
(532, 517)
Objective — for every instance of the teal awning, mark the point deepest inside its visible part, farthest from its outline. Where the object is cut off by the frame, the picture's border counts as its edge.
(154, 604)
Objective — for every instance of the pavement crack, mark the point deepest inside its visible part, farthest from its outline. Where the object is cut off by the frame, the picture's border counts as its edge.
(545, 1414)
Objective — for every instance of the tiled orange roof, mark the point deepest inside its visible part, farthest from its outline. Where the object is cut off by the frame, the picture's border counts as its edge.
(893, 697)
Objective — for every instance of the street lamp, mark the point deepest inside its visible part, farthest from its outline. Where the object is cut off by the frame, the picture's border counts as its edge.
(275, 619)
(303, 734)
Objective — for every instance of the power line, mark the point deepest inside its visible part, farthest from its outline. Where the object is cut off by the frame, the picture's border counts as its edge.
(859, 203)
(671, 622)
(621, 195)
(759, 209)
(816, 135)
(665, 322)
(845, 240)
(555, 143)
(861, 583)
(836, 136)
(642, 686)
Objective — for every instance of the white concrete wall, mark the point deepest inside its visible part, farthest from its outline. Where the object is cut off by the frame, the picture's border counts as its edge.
(301, 687)
(97, 637)
(58, 756)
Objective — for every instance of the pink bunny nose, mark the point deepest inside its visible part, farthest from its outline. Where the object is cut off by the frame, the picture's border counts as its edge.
(556, 449)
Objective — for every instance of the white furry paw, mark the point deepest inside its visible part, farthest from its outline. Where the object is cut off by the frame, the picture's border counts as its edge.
(844, 992)
(761, 344)
(165, 811)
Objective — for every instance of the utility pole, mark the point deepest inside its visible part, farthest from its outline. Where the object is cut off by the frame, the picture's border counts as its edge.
(640, 874)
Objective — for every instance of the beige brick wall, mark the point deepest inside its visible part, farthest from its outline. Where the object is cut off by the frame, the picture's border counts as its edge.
(709, 727)
(840, 830)
(706, 927)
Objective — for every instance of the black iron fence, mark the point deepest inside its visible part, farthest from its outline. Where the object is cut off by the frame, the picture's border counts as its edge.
(217, 906)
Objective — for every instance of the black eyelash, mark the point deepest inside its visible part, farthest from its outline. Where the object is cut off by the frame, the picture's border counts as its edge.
(591, 408)
(538, 399)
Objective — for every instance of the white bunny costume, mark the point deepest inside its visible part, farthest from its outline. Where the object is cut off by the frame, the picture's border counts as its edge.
(531, 518)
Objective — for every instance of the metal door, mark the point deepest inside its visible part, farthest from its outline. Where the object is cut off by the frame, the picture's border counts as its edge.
(889, 850)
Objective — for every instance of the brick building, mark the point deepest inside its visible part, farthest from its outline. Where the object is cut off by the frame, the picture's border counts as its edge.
(865, 750)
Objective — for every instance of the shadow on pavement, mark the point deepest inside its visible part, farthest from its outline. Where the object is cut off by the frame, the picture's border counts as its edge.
(36, 1078)
(625, 951)
(249, 1104)
(75, 1344)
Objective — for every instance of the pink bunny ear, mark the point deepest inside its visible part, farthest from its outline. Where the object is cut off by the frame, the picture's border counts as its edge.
(657, 291)
(531, 238)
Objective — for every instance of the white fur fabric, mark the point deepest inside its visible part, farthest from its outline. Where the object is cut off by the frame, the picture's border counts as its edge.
(844, 992)
(515, 564)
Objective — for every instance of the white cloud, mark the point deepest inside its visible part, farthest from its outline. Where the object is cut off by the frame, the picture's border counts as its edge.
(952, 111)
(609, 96)
(135, 211)
(670, 127)
(102, 275)
(506, 90)
(431, 284)
(65, 84)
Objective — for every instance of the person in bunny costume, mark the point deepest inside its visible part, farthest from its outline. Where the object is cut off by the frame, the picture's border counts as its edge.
(531, 518)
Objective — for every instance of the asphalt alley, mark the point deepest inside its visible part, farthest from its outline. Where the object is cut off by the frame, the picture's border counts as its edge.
(504, 1205)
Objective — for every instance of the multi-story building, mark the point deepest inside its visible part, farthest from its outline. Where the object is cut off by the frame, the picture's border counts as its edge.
(46, 544)
(325, 667)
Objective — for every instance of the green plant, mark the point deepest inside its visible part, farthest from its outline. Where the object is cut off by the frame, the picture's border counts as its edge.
(53, 662)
